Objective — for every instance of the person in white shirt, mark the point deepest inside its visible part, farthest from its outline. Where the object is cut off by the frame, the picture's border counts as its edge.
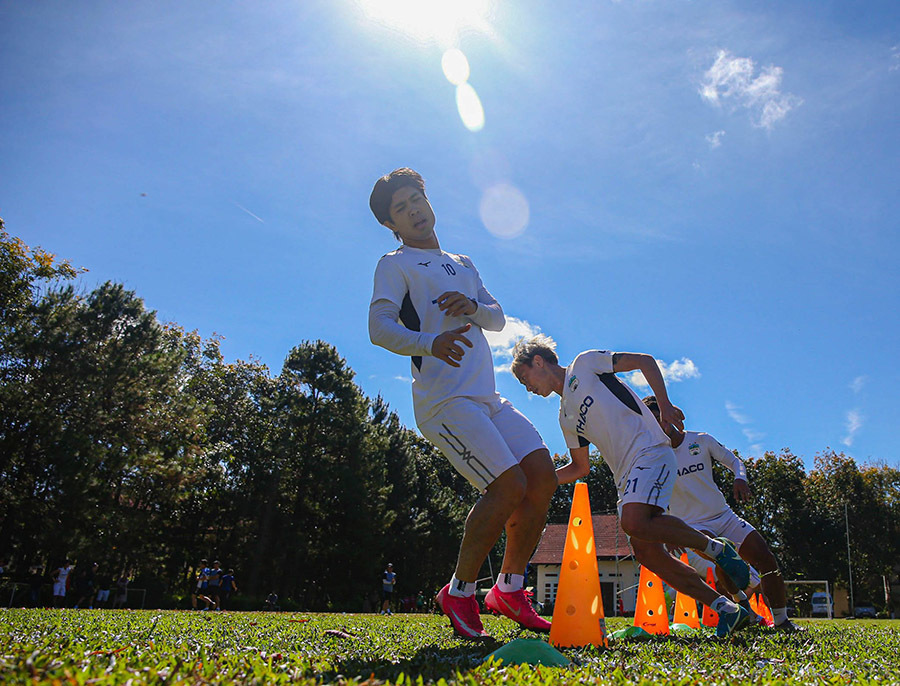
(432, 306)
(596, 407)
(698, 501)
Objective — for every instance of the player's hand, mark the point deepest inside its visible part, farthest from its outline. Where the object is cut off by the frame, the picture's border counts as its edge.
(454, 304)
(448, 346)
(669, 415)
(675, 551)
(741, 491)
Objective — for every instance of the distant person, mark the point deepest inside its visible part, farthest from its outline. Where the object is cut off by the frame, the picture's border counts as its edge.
(84, 585)
(35, 581)
(103, 588)
(60, 583)
(198, 585)
(388, 580)
(121, 597)
(431, 306)
(420, 602)
(597, 407)
(697, 500)
(272, 602)
(229, 587)
(214, 584)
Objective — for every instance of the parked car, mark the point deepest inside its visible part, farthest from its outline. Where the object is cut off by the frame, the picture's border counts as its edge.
(864, 612)
(822, 605)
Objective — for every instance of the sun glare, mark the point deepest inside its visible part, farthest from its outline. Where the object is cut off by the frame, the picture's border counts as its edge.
(438, 20)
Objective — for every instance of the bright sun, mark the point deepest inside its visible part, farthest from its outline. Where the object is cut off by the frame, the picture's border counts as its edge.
(439, 20)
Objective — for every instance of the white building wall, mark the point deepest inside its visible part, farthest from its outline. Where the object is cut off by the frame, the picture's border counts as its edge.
(626, 578)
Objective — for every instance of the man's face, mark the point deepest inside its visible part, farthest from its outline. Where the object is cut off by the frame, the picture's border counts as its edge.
(411, 216)
(535, 377)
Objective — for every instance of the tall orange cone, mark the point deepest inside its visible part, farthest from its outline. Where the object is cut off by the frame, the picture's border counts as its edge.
(685, 607)
(710, 616)
(754, 605)
(651, 613)
(578, 614)
(764, 611)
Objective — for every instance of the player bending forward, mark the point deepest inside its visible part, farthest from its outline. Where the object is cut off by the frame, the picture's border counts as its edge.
(596, 407)
(442, 307)
(698, 501)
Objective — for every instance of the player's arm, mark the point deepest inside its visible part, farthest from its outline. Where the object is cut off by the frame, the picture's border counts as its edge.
(725, 457)
(628, 362)
(578, 468)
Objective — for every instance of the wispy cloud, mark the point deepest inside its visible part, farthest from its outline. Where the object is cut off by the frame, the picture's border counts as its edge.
(679, 370)
(854, 423)
(404, 379)
(502, 342)
(858, 383)
(752, 435)
(715, 139)
(895, 58)
(731, 80)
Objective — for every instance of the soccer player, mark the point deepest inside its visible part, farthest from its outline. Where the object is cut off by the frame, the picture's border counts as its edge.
(596, 407)
(698, 501)
(431, 305)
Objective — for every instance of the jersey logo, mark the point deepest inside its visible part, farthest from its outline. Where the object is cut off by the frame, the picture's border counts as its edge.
(690, 469)
(573, 383)
(582, 413)
(694, 448)
(424, 264)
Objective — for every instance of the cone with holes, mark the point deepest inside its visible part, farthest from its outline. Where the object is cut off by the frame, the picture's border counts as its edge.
(650, 613)
(685, 606)
(578, 614)
(710, 616)
(764, 611)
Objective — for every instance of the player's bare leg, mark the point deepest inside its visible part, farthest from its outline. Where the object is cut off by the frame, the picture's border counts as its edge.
(524, 527)
(755, 550)
(673, 571)
(487, 519)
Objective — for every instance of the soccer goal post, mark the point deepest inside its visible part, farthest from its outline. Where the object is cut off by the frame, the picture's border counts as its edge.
(827, 606)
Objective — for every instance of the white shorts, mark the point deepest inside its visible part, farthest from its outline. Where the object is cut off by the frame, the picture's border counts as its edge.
(59, 588)
(701, 564)
(650, 480)
(481, 440)
(727, 524)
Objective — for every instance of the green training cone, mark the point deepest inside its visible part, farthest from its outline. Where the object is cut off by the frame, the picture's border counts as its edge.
(529, 651)
(634, 632)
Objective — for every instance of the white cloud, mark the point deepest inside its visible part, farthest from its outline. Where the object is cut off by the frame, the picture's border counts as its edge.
(715, 139)
(895, 58)
(753, 435)
(734, 411)
(731, 79)
(404, 379)
(857, 384)
(854, 423)
(679, 370)
(502, 342)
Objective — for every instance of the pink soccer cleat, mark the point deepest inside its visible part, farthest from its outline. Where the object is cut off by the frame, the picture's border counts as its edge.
(463, 614)
(517, 607)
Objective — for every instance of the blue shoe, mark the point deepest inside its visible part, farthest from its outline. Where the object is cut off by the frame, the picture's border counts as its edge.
(753, 619)
(732, 564)
(730, 622)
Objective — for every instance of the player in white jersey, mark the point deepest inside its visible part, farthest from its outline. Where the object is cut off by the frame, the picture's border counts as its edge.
(431, 305)
(698, 501)
(596, 407)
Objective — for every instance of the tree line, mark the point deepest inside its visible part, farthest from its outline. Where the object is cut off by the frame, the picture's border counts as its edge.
(133, 443)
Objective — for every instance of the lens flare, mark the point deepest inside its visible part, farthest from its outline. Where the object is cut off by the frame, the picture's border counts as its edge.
(469, 105)
(455, 66)
(504, 210)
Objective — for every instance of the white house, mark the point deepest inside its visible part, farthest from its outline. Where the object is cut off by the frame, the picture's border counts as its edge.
(619, 571)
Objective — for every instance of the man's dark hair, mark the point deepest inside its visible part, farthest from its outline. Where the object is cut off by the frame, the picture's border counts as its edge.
(650, 402)
(387, 185)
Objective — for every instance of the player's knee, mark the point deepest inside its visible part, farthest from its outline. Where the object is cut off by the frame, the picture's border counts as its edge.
(635, 523)
(511, 486)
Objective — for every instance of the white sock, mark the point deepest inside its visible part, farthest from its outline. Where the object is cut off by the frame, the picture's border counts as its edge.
(713, 548)
(741, 596)
(510, 583)
(461, 589)
(722, 604)
(779, 614)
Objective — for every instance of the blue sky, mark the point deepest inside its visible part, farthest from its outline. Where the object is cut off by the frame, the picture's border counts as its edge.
(714, 183)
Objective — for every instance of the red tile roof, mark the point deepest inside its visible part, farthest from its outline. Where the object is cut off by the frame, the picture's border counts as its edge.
(607, 533)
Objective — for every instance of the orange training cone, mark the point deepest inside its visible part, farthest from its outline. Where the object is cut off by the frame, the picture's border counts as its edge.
(765, 612)
(578, 614)
(651, 613)
(685, 607)
(754, 605)
(710, 616)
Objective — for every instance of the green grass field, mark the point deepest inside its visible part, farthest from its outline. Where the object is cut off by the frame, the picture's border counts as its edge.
(162, 647)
